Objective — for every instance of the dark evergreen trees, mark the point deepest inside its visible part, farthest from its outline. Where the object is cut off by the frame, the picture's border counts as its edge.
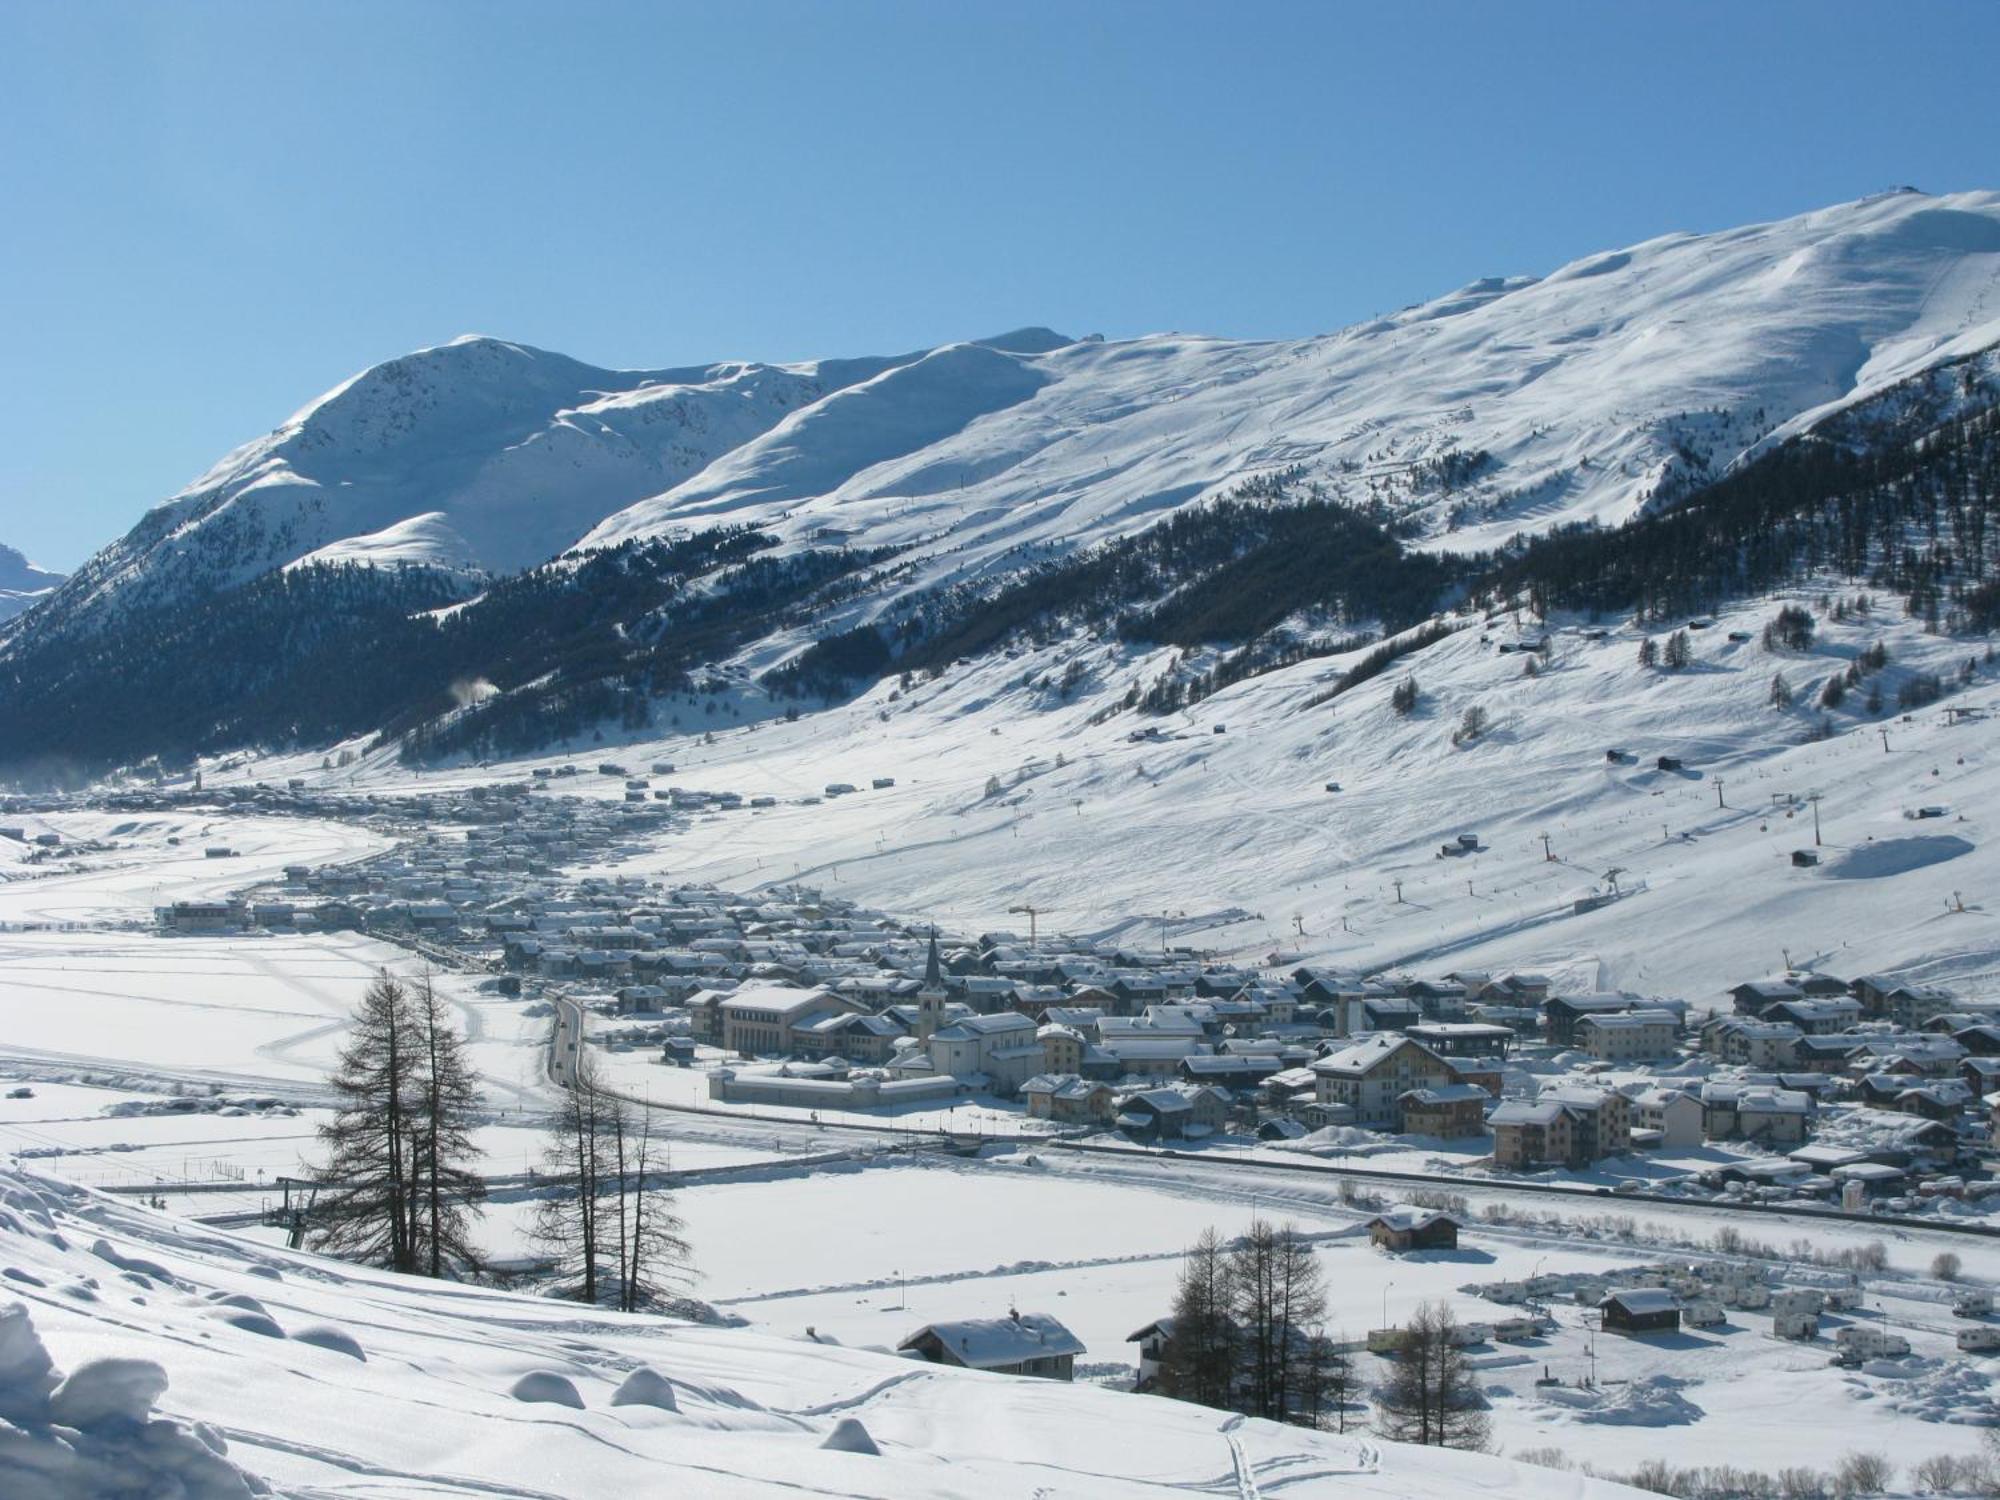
(398, 1189)
(1430, 1395)
(445, 1190)
(1247, 1330)
(1199, 1362)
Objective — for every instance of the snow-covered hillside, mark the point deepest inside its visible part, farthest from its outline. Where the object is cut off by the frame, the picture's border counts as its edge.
(1223, 818)
(1577, 395)
(478, 455)
(1515, 402)
(22, 584)
(139, 1355)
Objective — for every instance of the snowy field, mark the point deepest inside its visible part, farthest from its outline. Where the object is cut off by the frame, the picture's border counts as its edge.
(1099, 1247)
(310, 1374)
(116, 867)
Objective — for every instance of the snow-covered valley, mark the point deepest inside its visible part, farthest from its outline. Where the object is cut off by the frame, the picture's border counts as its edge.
(1650, 803)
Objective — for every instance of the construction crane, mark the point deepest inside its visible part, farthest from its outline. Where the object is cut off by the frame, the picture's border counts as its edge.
(1033, 912)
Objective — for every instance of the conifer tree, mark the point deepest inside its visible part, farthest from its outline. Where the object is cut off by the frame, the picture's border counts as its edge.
(445, 1190)
(1199, 1360)
(398, 1189)
(1430, 1396)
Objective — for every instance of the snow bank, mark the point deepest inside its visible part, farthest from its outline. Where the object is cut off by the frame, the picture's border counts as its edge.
(1888, 857)
(849, 1436)
(646, 1387)
(326, 1336)
(1653, 1401)
(546, 1386)
(93, 1436)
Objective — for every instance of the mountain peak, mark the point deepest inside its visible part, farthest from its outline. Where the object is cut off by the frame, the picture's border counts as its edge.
(22, 584)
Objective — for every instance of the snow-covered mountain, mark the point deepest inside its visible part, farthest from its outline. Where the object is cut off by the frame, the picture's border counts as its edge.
(22, 584)
(1513, 403)
(752, 519)
(1579, 395)
(477, 456)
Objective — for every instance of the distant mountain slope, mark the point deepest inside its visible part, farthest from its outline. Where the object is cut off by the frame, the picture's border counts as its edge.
(478, 456)
(1511, 404)
(904, 495)
(22, 584)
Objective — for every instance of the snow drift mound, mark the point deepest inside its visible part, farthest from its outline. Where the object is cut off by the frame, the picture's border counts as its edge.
(1655, 1401)
(93, 1435)
(1886, 857)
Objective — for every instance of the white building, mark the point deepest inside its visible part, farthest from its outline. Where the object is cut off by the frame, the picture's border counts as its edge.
(1674, 1114)
(1629, 1036)
(1370, 1076)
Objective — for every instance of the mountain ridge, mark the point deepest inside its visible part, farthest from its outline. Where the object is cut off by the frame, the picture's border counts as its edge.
(885, 497)
(22, 584)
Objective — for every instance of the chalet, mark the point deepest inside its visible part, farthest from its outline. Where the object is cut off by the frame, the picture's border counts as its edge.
(1462, 1038)
(1817, 1017)
(1525, 1133)
(1232, 1070)
(1754, 997)
(1401, 1229)
(1751, 1043)
(1570, 1126)
(1382, 1013)
(1372, 1076)
(1981, 1074)
(1449, 1111)
(1649, 1309)
(1518, 988)
(1068, 1100)
(1561, 1012)
(1018, 1344)
(1825, 1054)
(1140, 1055)
(1435, 996)
(1156, 1115)
(1754, 1112)
(1915, 1055)
(1152, 1340)
(1320, 988)
(1063, 1047)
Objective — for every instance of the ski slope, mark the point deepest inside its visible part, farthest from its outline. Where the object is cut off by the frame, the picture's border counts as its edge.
(1233, 836)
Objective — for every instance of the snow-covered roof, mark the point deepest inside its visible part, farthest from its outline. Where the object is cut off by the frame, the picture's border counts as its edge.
(1406, 1218)
(993, 1343)
(1360, 1057)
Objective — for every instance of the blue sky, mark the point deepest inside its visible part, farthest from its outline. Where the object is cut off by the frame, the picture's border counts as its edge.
(215, 211)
